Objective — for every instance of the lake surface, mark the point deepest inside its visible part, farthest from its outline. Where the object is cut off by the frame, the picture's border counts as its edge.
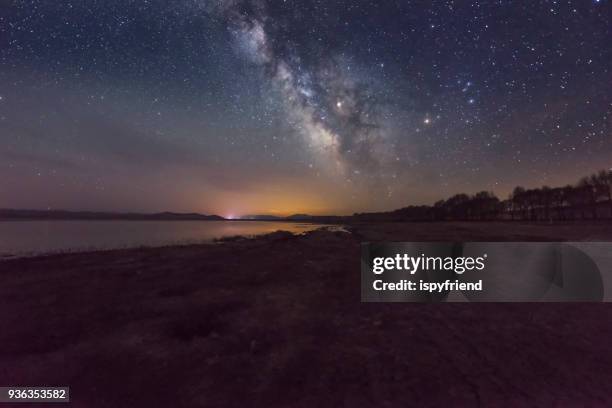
(35, 237)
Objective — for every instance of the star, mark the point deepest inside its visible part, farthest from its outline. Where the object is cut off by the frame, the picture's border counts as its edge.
(301, 96)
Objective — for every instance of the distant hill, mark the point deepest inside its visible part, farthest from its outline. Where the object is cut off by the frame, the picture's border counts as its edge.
(262, 217)
(300, 217)
(92, 215)
(324, 219)
(267, 217)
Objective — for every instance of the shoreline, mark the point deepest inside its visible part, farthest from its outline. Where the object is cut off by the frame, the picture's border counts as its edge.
(409, 231)
(40, 238)
(215, 241)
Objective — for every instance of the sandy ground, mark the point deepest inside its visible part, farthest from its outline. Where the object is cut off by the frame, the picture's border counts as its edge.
(277, 321)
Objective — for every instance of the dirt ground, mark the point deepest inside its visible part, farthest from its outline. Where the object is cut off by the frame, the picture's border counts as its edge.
(277, 321)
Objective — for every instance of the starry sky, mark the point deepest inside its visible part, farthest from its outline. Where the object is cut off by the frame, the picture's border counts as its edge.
(242, 107)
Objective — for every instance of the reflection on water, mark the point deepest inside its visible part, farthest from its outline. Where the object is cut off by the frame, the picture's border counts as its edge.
(32, 237)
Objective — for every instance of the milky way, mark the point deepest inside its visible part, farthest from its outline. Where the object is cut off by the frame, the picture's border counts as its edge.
(246, 106)
(333, 110)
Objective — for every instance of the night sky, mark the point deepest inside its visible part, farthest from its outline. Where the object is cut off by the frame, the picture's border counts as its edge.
(245, 107)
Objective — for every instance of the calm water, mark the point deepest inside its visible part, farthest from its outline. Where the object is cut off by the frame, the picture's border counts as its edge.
(33, 237)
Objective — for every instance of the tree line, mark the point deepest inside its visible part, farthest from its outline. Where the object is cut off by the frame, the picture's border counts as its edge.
(589, 199)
